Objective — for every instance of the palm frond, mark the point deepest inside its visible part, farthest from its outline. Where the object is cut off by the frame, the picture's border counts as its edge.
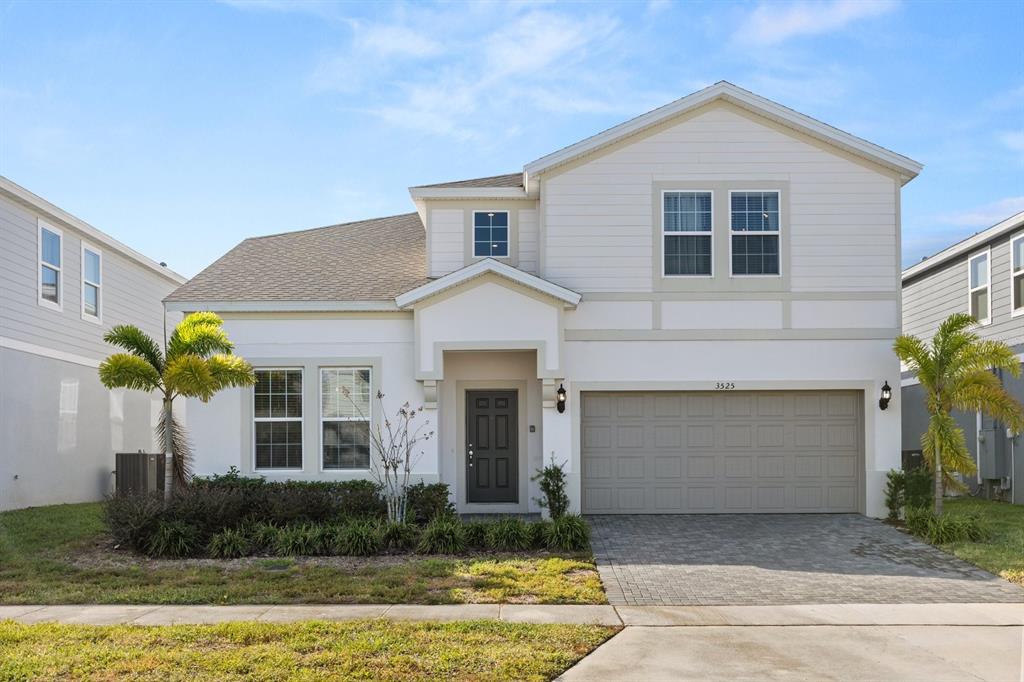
(182, 448)
(983, 391)
(987, 354)
(230, 370)
(199, 334)
(914, 353)
(944, 434)
(122, 370)
(136, 342)
(189, 376)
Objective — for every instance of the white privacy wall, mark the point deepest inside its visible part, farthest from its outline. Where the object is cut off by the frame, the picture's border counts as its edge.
(222, 429)
(598, 215)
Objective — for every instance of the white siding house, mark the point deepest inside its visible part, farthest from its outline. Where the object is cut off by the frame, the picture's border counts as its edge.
(692, 311)
(62, 285)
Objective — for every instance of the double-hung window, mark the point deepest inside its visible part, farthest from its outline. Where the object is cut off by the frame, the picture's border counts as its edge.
(1017, 274)
(50, 248)
(92, 265)
(754, 232)
(277, 416)
(490, 234)
(979, 285)
(686, 233)
(345, 407)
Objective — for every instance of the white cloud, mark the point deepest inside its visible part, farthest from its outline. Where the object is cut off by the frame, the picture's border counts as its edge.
(1013, 140)
(987, 215)
(772, 23)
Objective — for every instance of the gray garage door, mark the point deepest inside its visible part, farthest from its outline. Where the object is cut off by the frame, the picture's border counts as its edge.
(721, 452)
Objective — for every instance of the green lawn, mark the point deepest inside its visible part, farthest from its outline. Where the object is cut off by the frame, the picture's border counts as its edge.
(57, 555)
(479, 650)
(1003, 552)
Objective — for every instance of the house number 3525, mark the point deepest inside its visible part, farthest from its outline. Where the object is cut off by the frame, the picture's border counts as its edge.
(724, 386)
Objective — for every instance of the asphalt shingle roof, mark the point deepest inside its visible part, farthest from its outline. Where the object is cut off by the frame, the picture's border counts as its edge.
(368, 260)
(507, 180)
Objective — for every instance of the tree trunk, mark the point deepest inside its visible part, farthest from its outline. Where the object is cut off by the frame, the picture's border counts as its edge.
(938, 479)
(168, 449)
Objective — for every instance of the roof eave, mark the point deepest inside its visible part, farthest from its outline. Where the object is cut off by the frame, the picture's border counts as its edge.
(569, 298)
(907, 168)
(469, 193)
(965, 246)
(383, 305)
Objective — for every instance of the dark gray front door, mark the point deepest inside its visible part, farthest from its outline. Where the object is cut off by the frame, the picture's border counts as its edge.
(492, 446)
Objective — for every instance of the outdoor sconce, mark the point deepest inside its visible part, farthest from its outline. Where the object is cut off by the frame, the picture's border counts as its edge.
(560, 395)
(883, 402)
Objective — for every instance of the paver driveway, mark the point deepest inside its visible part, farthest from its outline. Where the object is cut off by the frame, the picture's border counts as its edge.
(780, 559)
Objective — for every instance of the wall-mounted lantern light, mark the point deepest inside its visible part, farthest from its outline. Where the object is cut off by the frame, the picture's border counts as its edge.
(883, 402)
(561, 396)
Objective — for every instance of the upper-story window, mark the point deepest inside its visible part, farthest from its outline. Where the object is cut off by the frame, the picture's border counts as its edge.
(92, 284)
(490, 234)
(979, 284)
(1017, 274)
(50, 241)
(686, 233)
(754, 232)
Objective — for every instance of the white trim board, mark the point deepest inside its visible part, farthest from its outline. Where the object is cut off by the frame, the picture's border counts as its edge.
(483, 267)
(908, 168)
(43, 351)
(282, 306)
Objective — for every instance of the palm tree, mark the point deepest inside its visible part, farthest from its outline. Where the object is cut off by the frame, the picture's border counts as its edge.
(955, 372)
(196, 363)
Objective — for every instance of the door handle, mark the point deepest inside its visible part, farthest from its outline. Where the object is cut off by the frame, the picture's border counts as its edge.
(469, 454)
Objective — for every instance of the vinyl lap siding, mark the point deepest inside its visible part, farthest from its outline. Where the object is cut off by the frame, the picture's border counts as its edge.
(447, 230)
(930, 299)
(841, 229)
(528, 241)
(131, 293)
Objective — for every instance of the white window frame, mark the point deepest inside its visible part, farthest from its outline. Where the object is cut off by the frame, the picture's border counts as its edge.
(40, 264)
(987, 254)
(302, 420)
(98, 317)
(322, 420)
(676, 233)
(472, 236)
(1016, 306)
(749, 233)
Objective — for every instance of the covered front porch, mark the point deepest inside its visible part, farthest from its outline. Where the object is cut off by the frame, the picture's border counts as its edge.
(487, 343)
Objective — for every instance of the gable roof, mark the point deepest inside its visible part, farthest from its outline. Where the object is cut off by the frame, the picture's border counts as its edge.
(479, 269)
(368, 260)
(506, 180)
(964, 246)
(723, 90)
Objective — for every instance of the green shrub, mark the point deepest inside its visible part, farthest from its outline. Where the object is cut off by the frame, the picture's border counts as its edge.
(895, 485)
(538, 531)
(132, 519)
(919, 488)
(918, 521)
(210, 511)
(553, 489)
(261, 536)
(360, 499)
(174, 540)
(361, 537)
(400, 537)
(508, 535)
(443, 535)
(476, 534)
(230, 543)
(425, 502)
(569, 533)
(947, 528)
(296, 540)
(232, 480)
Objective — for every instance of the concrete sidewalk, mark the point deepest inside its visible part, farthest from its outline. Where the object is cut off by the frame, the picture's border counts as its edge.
(969, 615)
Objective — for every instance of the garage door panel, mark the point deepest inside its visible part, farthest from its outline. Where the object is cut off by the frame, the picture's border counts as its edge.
(679, 452)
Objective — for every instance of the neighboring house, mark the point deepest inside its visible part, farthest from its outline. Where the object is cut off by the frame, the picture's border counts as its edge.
(983, 275)
(710, 291)
(64, 284)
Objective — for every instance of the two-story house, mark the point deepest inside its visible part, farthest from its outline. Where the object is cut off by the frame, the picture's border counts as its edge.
(63, 284)
(982, 275)
(694, 311)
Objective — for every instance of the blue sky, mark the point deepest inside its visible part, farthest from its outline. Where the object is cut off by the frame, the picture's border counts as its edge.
(181, 128)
